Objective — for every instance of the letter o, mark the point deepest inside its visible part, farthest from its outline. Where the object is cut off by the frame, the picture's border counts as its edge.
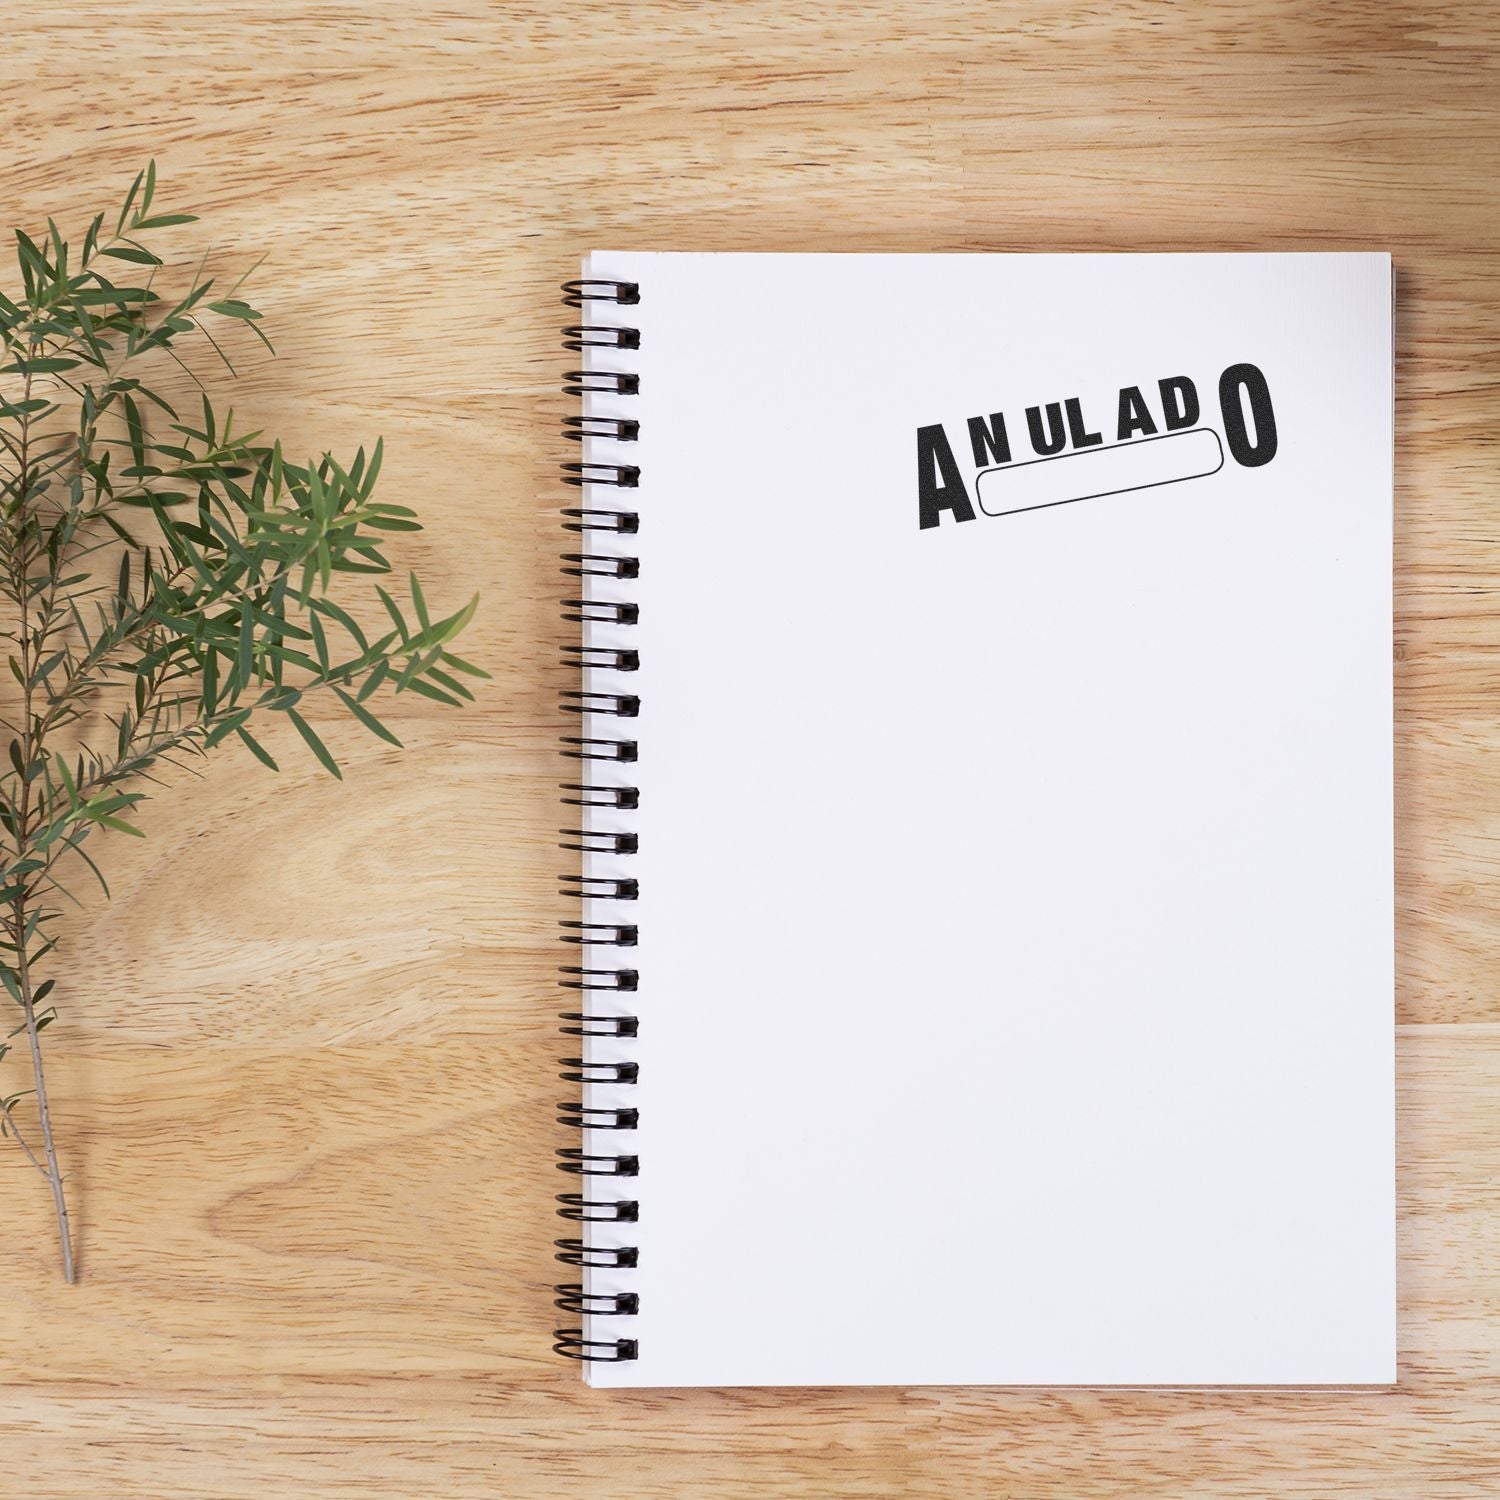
(1247, 378)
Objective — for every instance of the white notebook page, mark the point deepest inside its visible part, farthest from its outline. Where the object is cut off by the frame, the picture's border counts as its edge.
(1015, 892)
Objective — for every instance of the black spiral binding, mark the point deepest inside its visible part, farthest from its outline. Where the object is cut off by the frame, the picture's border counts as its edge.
(593, 943)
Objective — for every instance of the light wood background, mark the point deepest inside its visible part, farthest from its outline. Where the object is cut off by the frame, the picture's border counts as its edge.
(304, 1073)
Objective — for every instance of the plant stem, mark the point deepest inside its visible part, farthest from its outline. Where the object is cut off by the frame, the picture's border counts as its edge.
(29, 748)
(15, 1130)
(49, 1149)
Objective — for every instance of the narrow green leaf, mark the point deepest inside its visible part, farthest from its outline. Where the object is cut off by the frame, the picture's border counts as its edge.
(426, 690)
(320, 641)
(314, 744)
(69, 785)
(377, 675)
(98, 873)
(449, 684)
(394, 613)
(226, 726)
(333, 611)
(244, 658)
(235, 309)
(372, 473)
(117, 824)
(466, 667)
(118, 530)
(133, 253)
(137, 432)
(258, 750)
(42, 365)
(368, 719)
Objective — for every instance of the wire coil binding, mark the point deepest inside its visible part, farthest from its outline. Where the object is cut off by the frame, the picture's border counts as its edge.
(600, 1066)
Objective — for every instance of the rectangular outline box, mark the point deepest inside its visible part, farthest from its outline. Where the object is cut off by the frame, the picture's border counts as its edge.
(1115, 470)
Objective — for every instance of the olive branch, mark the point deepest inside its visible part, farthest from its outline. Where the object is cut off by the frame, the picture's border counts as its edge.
(168, 583)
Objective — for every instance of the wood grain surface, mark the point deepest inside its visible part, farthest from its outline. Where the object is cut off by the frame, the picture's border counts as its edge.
(305, 1068)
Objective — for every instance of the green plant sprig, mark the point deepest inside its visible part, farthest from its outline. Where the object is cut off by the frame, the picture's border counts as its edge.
(168, 582)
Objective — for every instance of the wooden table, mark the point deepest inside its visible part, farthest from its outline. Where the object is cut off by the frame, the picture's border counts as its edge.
(304, 1075)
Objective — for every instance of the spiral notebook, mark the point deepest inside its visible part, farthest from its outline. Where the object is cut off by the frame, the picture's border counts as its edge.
(980, 786)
